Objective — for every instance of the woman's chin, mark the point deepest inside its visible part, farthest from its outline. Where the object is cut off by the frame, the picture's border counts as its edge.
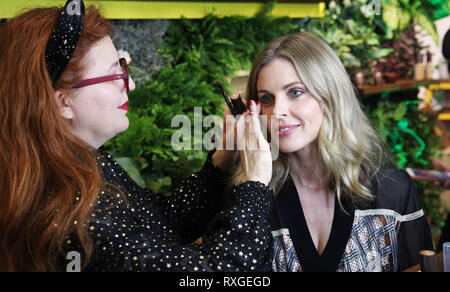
(123, 126)
(287, 148)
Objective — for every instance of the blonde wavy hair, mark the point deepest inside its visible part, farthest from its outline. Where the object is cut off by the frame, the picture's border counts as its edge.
(350, 148)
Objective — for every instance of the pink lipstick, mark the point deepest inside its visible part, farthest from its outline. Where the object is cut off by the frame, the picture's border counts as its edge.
(286, 130)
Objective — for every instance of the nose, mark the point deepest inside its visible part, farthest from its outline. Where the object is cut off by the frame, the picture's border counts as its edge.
(280, 107)
(131, 84)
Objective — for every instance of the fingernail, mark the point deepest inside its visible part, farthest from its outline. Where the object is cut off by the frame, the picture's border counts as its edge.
(257, 103)
(251, 102)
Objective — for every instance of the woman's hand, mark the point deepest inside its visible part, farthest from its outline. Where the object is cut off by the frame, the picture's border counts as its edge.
(227, 155)
(256, 158)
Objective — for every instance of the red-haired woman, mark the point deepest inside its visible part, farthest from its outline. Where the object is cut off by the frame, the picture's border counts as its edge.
(63, 94)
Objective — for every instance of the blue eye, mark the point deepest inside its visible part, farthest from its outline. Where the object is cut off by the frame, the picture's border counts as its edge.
(296, 92)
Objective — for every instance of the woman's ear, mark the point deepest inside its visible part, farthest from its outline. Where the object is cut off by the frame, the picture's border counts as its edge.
(62, 101)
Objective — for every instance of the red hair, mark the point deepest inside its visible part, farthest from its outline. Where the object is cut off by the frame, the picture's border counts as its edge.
(48, 178)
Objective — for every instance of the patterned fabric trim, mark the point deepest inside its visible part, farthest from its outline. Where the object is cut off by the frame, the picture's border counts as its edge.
(285, 258)
(372, 246)
(387, 212)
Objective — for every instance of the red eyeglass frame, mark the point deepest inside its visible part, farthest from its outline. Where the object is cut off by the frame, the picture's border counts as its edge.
(125, 76)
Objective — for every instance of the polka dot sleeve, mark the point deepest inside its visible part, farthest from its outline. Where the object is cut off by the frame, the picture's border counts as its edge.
(195, 201)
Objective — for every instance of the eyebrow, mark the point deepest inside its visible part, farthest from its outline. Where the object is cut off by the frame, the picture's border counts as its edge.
(284, 87)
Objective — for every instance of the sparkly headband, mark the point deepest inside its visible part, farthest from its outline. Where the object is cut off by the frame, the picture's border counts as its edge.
(64, 38)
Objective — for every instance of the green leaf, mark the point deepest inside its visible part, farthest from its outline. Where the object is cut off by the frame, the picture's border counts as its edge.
(351, 60)
(427, 24)
(380, 53)
(131, 168)
(395, 16)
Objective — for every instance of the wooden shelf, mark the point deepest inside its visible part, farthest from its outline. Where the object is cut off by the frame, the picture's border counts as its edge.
(398, 85)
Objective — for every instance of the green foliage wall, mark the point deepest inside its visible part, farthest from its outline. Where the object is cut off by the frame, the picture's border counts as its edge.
(354, 33)
(399, 14)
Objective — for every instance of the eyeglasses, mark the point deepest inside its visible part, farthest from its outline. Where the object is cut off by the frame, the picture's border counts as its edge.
(125, 76)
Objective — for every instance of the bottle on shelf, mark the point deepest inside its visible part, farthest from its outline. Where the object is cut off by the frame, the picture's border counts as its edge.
(419, 68)
(429, 66)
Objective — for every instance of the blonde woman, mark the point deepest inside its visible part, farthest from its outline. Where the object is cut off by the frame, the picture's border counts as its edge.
(339, 206)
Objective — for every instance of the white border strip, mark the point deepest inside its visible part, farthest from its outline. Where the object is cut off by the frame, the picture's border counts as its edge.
(387, 212)
(282, 231)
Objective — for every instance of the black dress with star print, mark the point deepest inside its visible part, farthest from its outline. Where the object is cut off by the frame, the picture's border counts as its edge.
(136, 230)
